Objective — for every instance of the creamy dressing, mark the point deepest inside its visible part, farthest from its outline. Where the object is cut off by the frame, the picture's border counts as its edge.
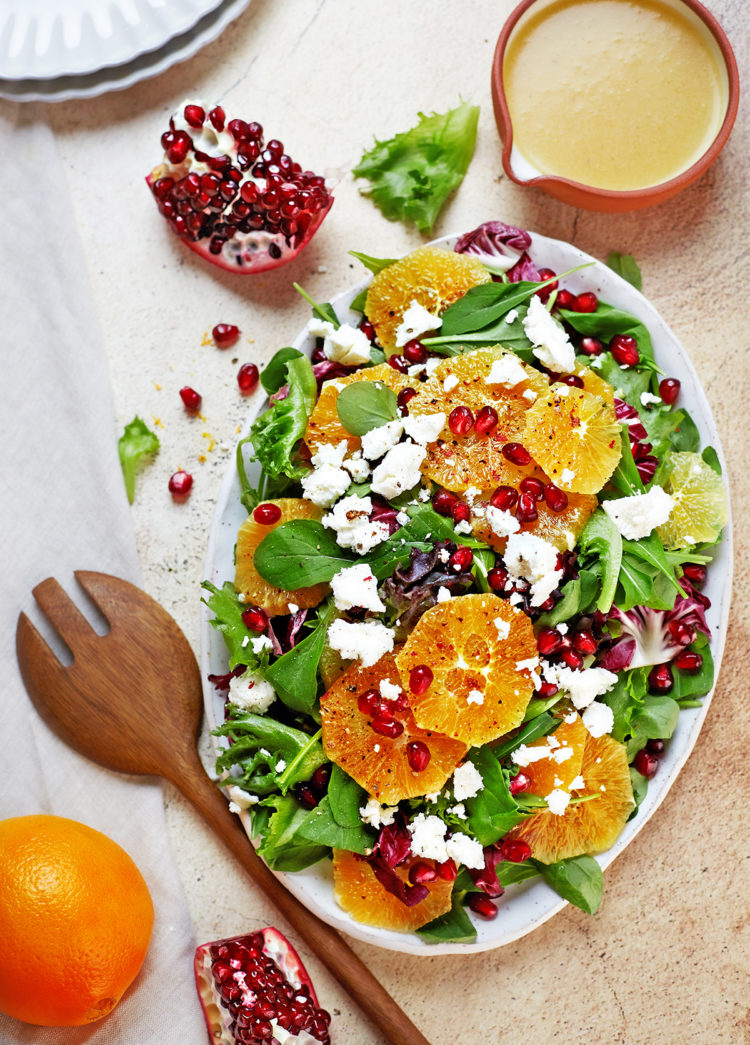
(616, 94)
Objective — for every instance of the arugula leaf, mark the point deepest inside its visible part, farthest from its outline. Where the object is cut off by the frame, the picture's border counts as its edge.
(453, 927)
(375, 265)
(639, 783)
(626, 266)
(228, 610)
(273, 375)
(412, 173)
(651, 550)
(625, 477)
(608, 321)
(136, 442)
(578, 596)
(259, 745)
(282, 847)
(276, 432)
(578, 880)
(324, 311)
(423, 529)
(600, 537)
(541, 726)
(294, 675)
(492, 812)
(629, 383)
(687, 436)
(655, 720)
(365, 405)
(298, 554)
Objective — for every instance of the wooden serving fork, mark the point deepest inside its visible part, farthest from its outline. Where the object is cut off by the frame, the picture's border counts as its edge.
(131, 701)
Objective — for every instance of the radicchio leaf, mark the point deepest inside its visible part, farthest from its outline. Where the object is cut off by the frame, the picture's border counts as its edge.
(646, 637)
(412, 590)
(393, 844)
(524, 269)
(410, 895)
(486, 878)
(497, 245)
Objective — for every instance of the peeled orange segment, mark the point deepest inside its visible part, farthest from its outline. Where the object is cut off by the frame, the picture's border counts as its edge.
(249, 582)
(324, 425)
(363, 897)
(574, 436)
(380, 764)
(700, 502)
(458, 462)
(477, 692)
(432, 277)
(586, 827)
(592, 382)
(558, 770)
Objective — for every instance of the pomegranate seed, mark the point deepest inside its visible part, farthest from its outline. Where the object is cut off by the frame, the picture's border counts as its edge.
(483, 906)
(591, 346)
(191, 399)
(267, 514)
(461, 559)
(519, 783)
(247, 378)
(418, 756)
(689, 662)
(486, 420)
(516, 454)
(532, 486)
(368, 701)
(382, 710)
(421, 873)
(669, 389)
(255, 618)
(544, 292)
(443, 502)
(367, 329)
(461, 420)
(461, 512)
(504, 497)
(646, 763)
(624, 350)
(557, 499)
(307, 797)
(415, 351)
(178, 150)
(548, 641)
(526, 508)
(587, 302)
(573, 659)
(399, 363)
(420, 679)
(218, 117)
(660, 679)
(515, 850)
(447, 870)
(656, 747)
(571, 380)
(320, 778)
(497, 578)
(225, 335)
(584, 642)
(195, 115)
(564, 299)
(547, 689)
(404, 397)
(695, 573)
(180, 484)
(547, 605)
(681, 632)
(387, 728)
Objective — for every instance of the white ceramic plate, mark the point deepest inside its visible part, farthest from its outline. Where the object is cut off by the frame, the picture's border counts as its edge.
(177, 49)
(525, 906)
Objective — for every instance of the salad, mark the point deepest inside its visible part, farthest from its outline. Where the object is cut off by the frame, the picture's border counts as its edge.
(467, 605)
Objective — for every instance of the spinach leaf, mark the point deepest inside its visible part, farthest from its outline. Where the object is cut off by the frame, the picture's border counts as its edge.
(294, 675)
(578, 596)
(511, 874)
(346, 797)
(357, 304)
(651, 550)
(423, 529)
(335, 821)
(655, 720)
(641, 584)
(298, 554)
(482, 305)
(276, 432)
(608, 321)
(687, 436)
(541, 726)
(324, 311)
(711, 458)
(626, 266)
(639, 783)
(453, 927)
(228, 610)
(136, 442)
(282, 846)
(601, 538)
(259, 745)
(626, 699)
(492, 812)
(375, 265)
(629, 383)
(273, 375)
(625, 477)
(687, 687)
(365, 405)
(578, 880)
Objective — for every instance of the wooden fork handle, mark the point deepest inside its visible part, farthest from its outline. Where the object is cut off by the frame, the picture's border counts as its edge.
(324, 941)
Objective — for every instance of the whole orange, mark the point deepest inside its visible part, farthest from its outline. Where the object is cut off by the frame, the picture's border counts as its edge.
(75, 921)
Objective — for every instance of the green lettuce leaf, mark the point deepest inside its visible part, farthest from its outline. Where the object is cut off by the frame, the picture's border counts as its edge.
(227, 611)
(276, 432)
(136, 442)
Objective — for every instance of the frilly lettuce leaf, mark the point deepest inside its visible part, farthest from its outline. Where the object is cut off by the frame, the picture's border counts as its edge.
(276, 431)
(137, 441)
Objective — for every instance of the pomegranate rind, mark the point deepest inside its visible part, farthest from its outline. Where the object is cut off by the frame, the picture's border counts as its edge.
(465, 644)
(380, 764)
(324, 426)
(587, 827)
(362, 896)
(249, 583)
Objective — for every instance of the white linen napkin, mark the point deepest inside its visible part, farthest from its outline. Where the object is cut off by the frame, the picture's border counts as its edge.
(63, 507)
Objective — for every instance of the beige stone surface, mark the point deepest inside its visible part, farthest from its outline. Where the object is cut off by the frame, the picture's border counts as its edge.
(667, 957)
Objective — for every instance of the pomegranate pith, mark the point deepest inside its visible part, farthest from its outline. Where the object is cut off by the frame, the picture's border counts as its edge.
(239, 202)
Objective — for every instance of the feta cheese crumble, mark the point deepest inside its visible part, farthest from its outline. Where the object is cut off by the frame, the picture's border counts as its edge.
(503, 628)
(637, 515)
(389, 691)
(475, 697)
(325, 485)
(502, 523)
(598, 718)
(347, 345)
(450, 383)
(444, 594)
(552, 345)
(398, 471)
(465, 850)
(260, 643)
(424, 428)
(376, 815)
(467, 781)
(557, 801)
(350, 519)
(366, 641)
(356, 586)
(533, 559)
(647, 399)
(378, 441)
(584, 686)
(506, 371)
(327, 453)
(416, 320)
(251, 692)
(428, 837)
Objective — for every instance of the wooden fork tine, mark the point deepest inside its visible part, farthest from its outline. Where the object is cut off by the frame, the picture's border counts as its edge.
(35, 656)
(64, 615)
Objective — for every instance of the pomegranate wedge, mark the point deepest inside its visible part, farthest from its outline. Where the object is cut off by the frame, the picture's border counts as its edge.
(254, 990)
(241, 203)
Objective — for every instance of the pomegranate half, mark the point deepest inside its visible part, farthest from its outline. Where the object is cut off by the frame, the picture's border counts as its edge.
(255, 990)
(242, 204)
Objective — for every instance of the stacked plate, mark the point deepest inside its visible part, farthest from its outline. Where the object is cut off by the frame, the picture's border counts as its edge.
(55, 51)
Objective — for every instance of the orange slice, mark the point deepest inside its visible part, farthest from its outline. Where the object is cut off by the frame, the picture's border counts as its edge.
(556, 771)
(587, 827)
(324, 425)
(432, 277)
(247, 580)
(574, 436)
(472, 645)
(367, 901)
(380, 764)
